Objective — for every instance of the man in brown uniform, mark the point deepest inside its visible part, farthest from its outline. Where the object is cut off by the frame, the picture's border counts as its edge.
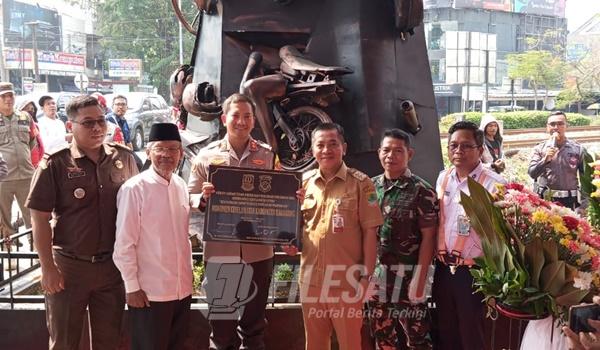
(341, 216)
(79, 184)
(16, 142)
(228, 263)
(555, 163)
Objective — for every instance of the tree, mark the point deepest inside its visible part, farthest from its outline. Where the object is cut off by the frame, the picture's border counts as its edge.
(539, 68)
(144, 29)
(583, 77)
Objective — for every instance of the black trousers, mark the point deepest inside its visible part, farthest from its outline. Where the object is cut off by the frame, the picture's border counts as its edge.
(162, 326)
(460, 313)
(237, 296)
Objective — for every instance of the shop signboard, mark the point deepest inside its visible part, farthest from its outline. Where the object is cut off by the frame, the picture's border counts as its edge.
(130, 68)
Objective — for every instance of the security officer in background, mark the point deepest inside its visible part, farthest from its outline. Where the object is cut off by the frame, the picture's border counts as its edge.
(555, 162)
(16, 142)
(79, 184)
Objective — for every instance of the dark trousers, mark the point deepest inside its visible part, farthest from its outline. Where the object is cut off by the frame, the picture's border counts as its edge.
(237, 297)
(460, 313)
(162, 326)
(569, 202)
(95, 286)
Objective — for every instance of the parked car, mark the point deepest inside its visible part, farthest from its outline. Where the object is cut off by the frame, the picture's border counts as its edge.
(505, 108)
(144, 109)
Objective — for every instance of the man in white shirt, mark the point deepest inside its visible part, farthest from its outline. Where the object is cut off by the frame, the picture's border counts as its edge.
(460, 312)
(152, 248)
(52, 129)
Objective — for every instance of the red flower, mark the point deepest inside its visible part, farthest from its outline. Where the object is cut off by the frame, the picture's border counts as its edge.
(514, 186)
(570, 222)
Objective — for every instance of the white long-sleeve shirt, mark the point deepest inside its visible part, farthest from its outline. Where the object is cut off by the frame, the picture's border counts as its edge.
(152, 248)
(53, 133)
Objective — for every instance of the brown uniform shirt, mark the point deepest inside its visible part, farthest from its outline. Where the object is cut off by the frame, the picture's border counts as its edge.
(560, 173)
(351, 195)
(16, 142)
(257, 155)
(82, 195)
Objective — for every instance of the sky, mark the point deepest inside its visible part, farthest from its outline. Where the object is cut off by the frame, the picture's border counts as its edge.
(579, 11)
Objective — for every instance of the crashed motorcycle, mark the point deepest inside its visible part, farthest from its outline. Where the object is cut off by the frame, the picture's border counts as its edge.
(290, 102)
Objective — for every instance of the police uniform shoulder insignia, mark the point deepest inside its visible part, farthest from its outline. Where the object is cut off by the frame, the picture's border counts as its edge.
(56, 152)
(357, 174)
(263, 145)
(217, 161)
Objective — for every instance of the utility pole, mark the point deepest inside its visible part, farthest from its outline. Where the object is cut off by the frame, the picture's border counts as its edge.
(180, 40)
(36, 71)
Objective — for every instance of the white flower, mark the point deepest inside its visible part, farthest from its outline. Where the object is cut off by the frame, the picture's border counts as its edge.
(583, 280)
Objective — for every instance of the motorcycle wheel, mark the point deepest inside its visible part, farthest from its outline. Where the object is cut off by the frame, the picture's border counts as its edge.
(302, 121)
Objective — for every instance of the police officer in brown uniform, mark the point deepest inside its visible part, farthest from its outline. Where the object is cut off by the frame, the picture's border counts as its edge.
(236, 149)
(79, 185)
(16, 143)
(555, 162)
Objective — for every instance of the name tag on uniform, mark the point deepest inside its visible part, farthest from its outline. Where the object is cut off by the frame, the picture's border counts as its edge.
(75, 173)
(337, 223)
(464, 226)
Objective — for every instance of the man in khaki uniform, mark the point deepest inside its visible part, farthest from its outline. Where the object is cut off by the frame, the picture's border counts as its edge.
(341, 216)
(79, 184)
(230, 262)
(16, 142)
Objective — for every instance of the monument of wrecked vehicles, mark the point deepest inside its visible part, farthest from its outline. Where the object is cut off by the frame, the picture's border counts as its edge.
(360, 63)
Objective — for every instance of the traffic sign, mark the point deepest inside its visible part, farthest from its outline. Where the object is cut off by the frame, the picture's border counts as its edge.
(81, 81)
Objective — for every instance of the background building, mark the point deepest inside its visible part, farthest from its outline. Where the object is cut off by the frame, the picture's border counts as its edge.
(468, 41)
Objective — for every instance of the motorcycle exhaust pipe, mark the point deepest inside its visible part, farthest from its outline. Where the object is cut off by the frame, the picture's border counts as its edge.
(254, 61)
(410, 116)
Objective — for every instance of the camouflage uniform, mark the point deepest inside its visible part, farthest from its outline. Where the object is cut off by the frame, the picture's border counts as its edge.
(408, 204)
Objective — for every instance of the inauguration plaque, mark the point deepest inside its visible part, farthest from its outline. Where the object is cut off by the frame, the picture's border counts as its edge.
(253, 206)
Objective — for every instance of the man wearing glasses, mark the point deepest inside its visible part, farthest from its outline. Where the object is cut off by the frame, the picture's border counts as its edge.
(117, 116)
(555, 162)
(460, 311)
(78, 186)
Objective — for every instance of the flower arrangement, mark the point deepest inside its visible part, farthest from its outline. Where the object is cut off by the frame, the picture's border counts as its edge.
(539, 257)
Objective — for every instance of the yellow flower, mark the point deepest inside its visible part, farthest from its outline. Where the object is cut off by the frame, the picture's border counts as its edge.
(540, 216)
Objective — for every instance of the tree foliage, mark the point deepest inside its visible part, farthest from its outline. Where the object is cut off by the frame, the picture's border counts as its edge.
(540, 68)
(582, 85)
(147, 30)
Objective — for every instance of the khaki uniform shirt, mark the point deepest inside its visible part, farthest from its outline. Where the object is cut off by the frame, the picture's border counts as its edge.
(16, 142)
(351, 195)
(560, 173)
(256, 155)
(82, 195)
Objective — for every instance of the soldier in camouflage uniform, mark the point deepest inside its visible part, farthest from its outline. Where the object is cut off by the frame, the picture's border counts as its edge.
(406, 242)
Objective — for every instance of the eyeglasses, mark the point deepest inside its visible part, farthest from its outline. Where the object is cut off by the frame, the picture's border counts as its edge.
(120, 104)
(453, 147)
(90, 123)
(168, 150)
(553, 124)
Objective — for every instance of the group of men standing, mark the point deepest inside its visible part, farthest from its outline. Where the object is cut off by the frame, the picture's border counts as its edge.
(107, 236)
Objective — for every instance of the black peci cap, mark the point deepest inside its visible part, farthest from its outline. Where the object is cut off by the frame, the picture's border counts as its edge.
(164, 132)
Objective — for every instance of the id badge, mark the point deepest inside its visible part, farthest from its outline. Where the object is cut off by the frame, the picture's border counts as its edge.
(338, 223)
(464, 226)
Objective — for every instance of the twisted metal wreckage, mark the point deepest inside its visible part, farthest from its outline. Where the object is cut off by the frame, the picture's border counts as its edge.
(377, 74)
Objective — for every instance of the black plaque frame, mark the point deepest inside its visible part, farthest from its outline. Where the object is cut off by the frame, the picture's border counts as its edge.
(253, 206)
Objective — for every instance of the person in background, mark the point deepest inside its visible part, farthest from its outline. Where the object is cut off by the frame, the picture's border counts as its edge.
(492, 140)
(16, 143)
(117, 116)
(555, 164)
(406, 245)
(460, 311)
(37, 152)
(3, 168)
(52, 129)
(78, 186)
(155, 256)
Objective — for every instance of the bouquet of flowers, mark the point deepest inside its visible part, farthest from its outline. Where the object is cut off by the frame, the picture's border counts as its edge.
(539, 257)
